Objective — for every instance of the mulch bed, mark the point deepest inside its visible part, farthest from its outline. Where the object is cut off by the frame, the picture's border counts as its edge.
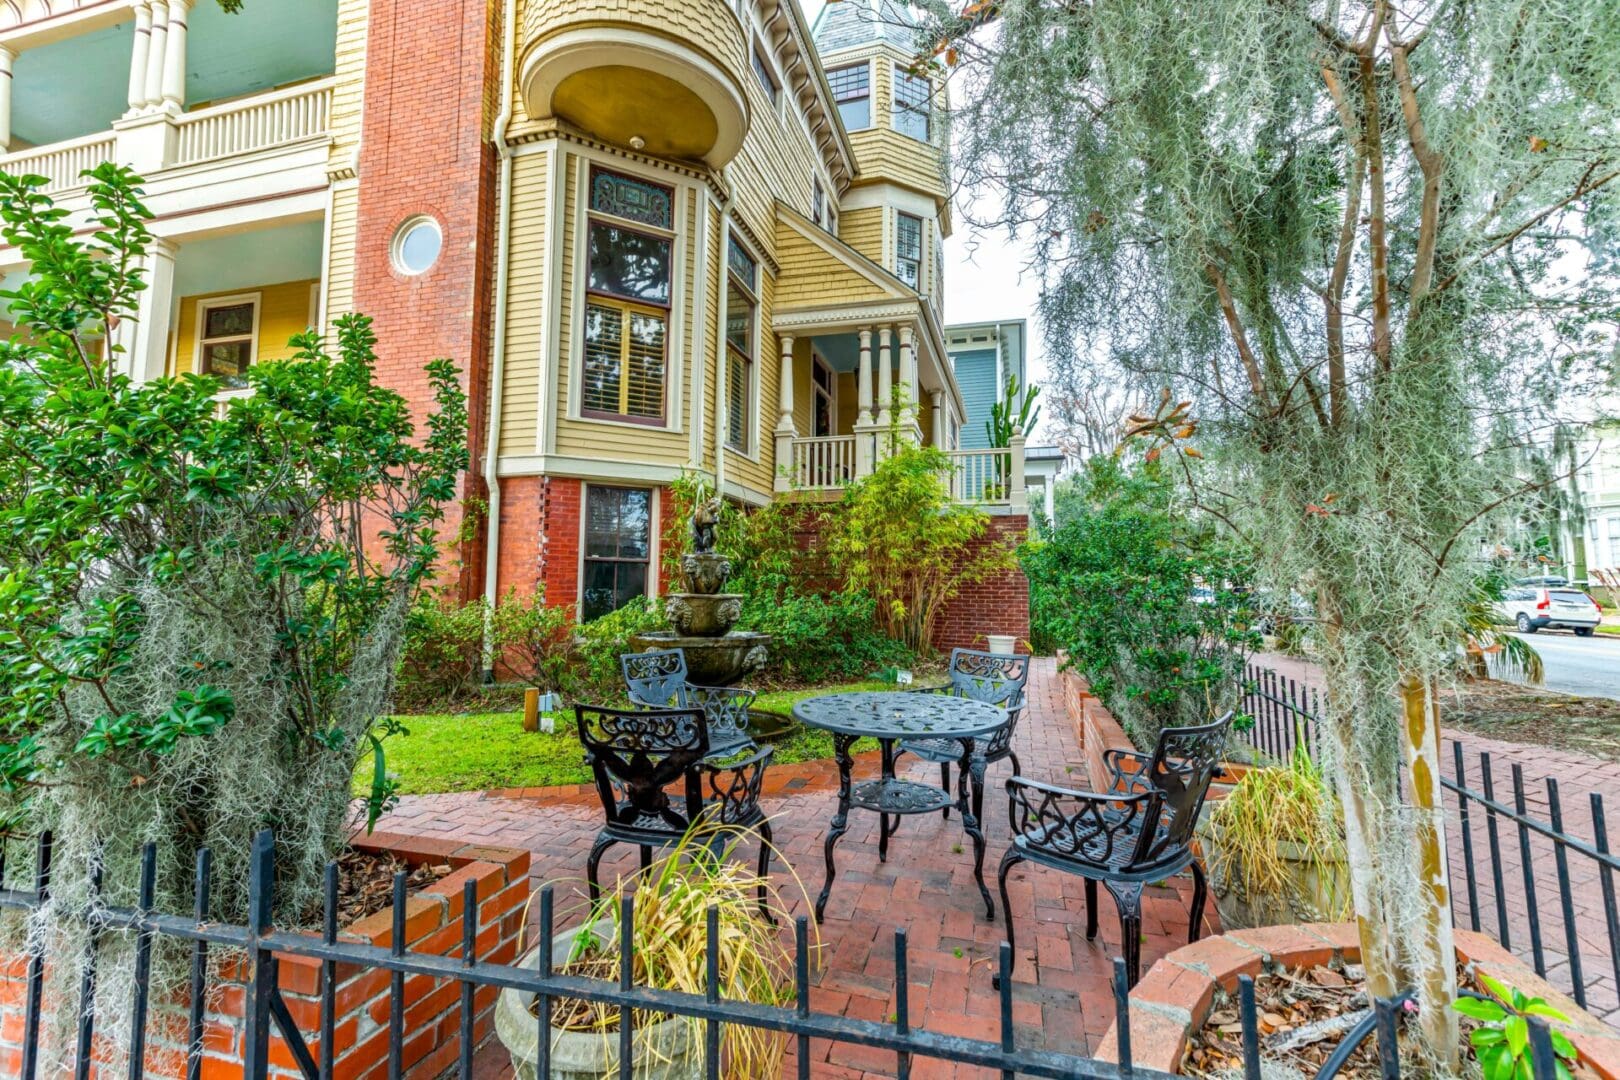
(1303, 1014)
(1527, 714)
(366, 884)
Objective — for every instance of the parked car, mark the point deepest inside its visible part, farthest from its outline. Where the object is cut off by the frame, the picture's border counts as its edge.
(1531, 608)
(1545, 581)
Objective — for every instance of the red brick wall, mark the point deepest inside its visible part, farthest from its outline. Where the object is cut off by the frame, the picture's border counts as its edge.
(557, 533)
(432, 1008)
(430, 71)
(669, 532)
(997, 606)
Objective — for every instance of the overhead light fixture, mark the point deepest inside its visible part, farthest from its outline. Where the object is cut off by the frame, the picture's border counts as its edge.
(637, 142)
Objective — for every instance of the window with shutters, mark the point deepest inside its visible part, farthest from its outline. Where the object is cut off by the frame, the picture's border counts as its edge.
(908, 249)
(910, 115)
(618, 548)
(742, 292)
(626, 320)
(852, 91)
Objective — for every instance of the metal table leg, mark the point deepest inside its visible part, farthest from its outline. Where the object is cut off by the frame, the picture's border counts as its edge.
(885, 830)
(969, 780)
(840, 821)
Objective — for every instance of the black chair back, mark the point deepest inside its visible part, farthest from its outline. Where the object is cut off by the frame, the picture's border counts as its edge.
(1185, 761)
(635, 755)
(656, 679)
(995, 679)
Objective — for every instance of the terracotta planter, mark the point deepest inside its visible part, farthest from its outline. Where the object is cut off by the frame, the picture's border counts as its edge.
(664, 1051)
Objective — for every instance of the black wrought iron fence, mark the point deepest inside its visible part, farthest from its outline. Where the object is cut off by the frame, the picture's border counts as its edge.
(1542, 885)
(265, 1012)
(1284, 712)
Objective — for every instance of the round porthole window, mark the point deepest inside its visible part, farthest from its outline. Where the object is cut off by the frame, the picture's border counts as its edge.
(416, 246)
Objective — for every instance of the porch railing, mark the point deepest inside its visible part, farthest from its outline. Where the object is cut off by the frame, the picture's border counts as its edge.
(823, 463)
(256, 123)
(981, 476)
(62, 164)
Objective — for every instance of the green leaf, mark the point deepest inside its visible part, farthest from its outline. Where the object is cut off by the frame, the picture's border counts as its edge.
(1488, 1011)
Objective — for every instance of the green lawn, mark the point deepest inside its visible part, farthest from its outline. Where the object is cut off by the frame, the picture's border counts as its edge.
(479, 751)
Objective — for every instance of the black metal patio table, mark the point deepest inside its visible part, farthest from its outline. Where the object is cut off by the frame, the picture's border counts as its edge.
(889, 717)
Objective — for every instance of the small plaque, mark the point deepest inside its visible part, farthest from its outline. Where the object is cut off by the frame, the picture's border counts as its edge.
(902, 678)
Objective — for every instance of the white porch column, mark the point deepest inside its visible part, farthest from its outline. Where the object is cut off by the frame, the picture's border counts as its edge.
(1017, 495)
(6, 58)
(912, 406)
(885, 375)
(156, 50)
(784, 421)
(1050, 484)
(174, 62)
(149, 353)
(937, 400)
(864, 380)
(139, 56)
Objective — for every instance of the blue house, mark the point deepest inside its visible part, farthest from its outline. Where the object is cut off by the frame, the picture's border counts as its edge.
(983, 356)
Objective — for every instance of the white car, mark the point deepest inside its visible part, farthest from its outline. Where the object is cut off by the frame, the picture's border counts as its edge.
(1530, 608)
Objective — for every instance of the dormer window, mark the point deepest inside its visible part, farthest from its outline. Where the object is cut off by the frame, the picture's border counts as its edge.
(852, 90)
(911, 113)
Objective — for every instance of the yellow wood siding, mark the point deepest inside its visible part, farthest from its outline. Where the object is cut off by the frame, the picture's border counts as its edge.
(344, 226)
(863, 230)
(284, 311)
(526, 307)
(812, 277)
(348, 97)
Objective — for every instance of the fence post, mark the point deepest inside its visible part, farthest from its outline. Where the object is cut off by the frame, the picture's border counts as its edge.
(261, 984)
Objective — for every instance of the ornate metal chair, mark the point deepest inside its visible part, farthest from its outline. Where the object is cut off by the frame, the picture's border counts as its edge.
(996, 679)
(1138, 833)
(636, 756)
(658, 680)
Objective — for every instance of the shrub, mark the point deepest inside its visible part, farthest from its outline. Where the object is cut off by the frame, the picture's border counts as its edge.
(534, 640)
(820, 638)
(443, 659)
(897, 537)
(202, 608)
(1115, 587)
(600, 642)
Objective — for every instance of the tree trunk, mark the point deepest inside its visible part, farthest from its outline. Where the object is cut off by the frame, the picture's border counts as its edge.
(1433, 957)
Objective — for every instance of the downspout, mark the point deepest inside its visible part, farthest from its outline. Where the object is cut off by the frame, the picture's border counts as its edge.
(497, 376)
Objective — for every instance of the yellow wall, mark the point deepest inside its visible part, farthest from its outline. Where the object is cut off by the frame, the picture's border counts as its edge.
(284, 311)
(863, 230)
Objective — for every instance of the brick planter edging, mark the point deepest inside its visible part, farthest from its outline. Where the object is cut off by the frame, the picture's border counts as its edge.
(1177, 994)
(432, 1010)
(1098, 732)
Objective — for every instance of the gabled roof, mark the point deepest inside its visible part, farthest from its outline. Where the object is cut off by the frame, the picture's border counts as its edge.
(847, 24)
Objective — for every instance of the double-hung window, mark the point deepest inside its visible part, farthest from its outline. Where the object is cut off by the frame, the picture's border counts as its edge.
(817, 202)
(766, 77)
(852, 91)
(227, 335)
(908, 249)
(618, 548)
(910, 115)
(742, 292)
(627, 303)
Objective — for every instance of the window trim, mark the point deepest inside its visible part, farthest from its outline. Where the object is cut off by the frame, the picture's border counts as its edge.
(750, 446)
(765, 73)
(867, 97)
(206, 304)
(627, 307)
(654, 554)
(896, 74)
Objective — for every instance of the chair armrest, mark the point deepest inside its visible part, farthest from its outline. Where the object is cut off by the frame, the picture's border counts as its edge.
(1086, 825)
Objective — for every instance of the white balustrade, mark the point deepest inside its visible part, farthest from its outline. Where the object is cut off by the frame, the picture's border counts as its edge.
(981, 476)
(255, 123)
(62, 164)
(823, 463)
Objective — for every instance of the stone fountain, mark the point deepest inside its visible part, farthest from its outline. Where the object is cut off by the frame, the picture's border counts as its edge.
(703, 615)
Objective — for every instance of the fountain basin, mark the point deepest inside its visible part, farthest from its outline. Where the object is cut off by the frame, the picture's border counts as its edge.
(711, 661)
(703, 615)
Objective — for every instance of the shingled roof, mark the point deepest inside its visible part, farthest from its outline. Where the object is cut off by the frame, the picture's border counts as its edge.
(844, 24)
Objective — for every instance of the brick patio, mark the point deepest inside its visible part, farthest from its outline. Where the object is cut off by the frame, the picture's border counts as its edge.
(1062, 995)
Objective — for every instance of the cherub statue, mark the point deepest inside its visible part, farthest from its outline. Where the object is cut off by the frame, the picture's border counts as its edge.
(704, 520)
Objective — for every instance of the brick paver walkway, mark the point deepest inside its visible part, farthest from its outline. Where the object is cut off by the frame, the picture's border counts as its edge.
(1062, 996)
(1578, 777)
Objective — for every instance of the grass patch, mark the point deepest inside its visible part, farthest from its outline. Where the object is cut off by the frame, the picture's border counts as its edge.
(479, 751)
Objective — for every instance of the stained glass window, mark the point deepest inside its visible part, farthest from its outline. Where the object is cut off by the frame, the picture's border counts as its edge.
(632, 199)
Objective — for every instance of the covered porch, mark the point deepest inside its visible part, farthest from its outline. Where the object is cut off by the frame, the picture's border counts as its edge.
(858, 381)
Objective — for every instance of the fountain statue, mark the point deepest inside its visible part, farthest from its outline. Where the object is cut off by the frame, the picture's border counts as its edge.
(704, 614)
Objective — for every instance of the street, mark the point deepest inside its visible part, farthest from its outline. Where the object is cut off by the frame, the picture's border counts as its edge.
(1574, 665)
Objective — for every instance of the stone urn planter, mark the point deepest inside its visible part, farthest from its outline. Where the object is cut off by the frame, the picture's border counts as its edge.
(1316, 889)
(663, 1051)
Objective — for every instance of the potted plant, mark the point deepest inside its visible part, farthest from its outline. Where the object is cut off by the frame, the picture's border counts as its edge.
(672, 901)
(1274, 849)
